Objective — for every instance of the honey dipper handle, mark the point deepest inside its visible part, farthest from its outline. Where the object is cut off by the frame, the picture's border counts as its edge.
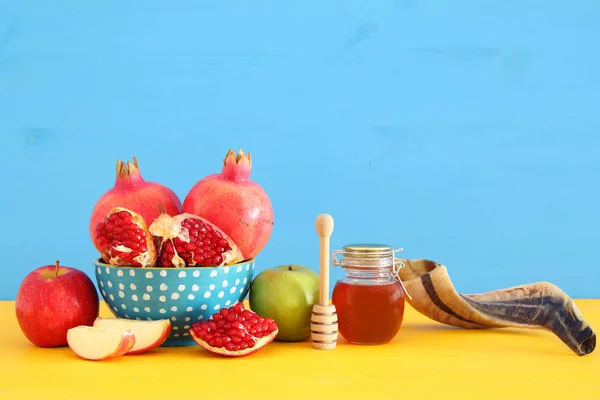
(324, 225)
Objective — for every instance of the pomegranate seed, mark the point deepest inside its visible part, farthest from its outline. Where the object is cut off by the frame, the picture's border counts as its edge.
(231, 317)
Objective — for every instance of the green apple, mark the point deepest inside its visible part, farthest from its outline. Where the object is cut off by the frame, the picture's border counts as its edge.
(287, 294)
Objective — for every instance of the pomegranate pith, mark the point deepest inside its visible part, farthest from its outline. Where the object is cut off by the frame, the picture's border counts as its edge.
(187, 240)
(234, 332)
(124, 239)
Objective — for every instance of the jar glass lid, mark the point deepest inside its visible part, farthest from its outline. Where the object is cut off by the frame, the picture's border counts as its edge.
(368, 250)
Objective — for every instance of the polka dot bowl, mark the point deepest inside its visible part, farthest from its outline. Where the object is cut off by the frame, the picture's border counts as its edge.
(183, 295)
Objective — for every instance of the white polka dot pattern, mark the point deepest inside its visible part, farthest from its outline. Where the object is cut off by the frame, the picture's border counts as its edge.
(183, 296)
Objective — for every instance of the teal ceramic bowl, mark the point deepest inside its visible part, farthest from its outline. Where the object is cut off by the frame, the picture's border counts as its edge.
(183, 295)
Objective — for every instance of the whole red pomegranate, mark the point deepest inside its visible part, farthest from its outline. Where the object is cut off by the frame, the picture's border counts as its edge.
(234, 203)
(131, 191)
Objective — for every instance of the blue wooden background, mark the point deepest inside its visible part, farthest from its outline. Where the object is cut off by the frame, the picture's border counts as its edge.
(466, 132)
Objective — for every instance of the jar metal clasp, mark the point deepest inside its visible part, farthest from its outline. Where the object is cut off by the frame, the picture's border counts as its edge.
(395, 271)
(336, 262)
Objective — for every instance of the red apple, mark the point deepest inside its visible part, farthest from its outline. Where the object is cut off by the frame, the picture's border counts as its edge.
(53, 299)
(99, 344)
(148, 334)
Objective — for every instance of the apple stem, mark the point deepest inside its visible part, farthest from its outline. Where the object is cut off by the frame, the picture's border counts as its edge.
(290, 268)
(56, 271)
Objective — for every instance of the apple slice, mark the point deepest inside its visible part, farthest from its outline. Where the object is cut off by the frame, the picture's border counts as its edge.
(99, 344)
(148, 334)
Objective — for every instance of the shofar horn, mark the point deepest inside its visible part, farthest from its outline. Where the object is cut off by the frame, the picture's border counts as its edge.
(536, 305)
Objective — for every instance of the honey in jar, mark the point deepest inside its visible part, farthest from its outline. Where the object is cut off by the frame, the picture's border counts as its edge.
(369, 298)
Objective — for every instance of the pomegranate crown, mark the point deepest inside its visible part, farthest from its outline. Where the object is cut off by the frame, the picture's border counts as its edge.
(237, 167)
(126, 169)
(127, 172)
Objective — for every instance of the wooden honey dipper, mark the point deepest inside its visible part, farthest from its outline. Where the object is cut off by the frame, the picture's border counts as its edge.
(324, 321)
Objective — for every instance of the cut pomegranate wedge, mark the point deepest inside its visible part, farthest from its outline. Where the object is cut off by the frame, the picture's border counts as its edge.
(99, 344)
(125, 239)
(187, 240)
(234, 332)
(148, 334)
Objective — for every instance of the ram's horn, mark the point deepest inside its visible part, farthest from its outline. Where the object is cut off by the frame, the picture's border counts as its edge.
(536, 305)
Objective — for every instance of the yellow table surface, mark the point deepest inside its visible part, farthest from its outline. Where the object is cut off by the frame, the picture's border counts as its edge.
(426, 360)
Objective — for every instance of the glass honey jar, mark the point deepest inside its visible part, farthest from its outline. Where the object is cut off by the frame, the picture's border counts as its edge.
(369, 298)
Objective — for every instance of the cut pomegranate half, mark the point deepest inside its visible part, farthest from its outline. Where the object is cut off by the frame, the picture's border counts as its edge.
(186, 240)
(124, 239)
(234, 332)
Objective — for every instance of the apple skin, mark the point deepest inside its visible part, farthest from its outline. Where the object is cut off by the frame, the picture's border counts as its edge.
(50, 302)
(286, 293)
